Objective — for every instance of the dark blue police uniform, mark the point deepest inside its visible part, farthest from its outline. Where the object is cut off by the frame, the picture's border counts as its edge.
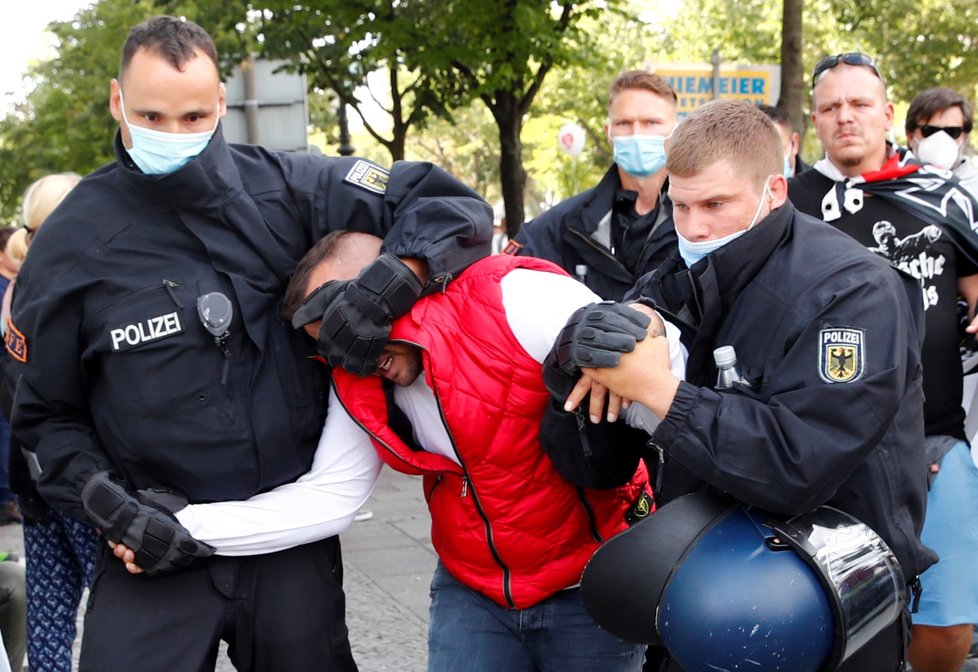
(117, 373)
(830, 408)
(599, 230)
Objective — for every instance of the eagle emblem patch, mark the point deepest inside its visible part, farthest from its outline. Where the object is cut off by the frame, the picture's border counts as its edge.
(370, 177)
(841, 355)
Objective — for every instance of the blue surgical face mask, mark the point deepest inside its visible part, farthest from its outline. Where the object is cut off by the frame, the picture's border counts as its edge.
(161, 153)
(640, 155)
(691, 252)
(788, 170)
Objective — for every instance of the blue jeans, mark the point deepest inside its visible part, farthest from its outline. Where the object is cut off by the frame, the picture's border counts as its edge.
(468, 632)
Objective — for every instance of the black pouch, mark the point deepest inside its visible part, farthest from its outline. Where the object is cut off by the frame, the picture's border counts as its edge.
(599, 456)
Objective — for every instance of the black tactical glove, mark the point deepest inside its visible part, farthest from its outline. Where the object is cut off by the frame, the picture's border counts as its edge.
(314, 305)
(558, 382)
(357, 314)
(596, 335)
(160, 543)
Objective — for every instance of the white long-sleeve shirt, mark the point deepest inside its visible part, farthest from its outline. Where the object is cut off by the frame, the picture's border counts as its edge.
(345, 468)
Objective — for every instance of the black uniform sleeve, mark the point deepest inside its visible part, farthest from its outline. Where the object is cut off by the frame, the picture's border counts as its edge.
(50, 415)
(420, 210)
(788, 445)
(436, 218)
(541, 237)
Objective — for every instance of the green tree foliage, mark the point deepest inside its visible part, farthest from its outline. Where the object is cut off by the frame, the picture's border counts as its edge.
(624, 39)
(919, 43)
(480, 87)
(338, 45)
(64, 123)
(435, 56)
(501, 53)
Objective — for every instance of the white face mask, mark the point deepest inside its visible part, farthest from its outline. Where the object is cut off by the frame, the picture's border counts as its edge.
(161, 153)
(691, 251)
(940, 150)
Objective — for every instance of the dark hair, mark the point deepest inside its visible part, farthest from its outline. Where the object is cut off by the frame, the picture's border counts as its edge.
(175, 39)
(777, 115)
(296, 292)
(642, 79)
(5, 234)
(935, 100)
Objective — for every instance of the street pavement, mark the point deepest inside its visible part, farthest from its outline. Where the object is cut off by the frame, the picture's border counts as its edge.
(388, 561)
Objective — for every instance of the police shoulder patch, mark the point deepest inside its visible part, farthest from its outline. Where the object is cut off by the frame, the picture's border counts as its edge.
(15, 342)
(841, 354)
(368, 176)
(512, 247)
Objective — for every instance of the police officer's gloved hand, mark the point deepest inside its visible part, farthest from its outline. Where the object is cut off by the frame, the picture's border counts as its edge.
(357, 314)
(558, 382)
(596, 335)
(160, 543)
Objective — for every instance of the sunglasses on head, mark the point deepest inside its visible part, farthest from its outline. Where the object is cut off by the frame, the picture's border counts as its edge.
(954, 131)
(852, 58)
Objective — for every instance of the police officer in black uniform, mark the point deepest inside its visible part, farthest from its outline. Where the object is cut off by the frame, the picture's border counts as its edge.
(153, 369)
(827, 409)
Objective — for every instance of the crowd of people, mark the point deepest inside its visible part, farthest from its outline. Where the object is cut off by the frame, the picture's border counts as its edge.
(212, 350)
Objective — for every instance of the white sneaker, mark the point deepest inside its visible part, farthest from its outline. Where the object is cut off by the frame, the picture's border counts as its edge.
(362, 515)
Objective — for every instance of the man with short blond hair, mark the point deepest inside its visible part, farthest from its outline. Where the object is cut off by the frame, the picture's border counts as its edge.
(806, 425)
(613, 233)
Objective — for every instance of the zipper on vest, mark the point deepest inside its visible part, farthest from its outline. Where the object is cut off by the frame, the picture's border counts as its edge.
(442, 280)
(467, 485)
(589, 511)
(373, 436)
(466, 481)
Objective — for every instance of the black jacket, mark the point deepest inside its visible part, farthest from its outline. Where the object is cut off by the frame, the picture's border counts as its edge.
(819, 423)
(577, 232)
(119, 373)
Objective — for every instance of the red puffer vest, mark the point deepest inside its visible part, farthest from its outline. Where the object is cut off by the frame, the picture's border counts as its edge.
(504, 523)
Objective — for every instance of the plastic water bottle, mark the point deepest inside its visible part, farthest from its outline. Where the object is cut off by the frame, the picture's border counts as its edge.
(727, 372)
(580, 273)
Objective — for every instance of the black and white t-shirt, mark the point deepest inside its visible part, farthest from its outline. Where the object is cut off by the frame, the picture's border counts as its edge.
(927, 252)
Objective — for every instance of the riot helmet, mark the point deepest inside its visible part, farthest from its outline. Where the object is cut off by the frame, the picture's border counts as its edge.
(726, 586)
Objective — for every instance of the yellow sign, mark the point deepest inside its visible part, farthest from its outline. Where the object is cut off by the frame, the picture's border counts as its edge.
(694, 83)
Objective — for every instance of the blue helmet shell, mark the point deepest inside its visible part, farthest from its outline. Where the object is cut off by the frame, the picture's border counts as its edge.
(742, 600)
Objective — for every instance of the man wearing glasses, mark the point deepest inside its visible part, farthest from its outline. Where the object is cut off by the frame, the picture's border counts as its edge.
(938, 125)
(865, 184)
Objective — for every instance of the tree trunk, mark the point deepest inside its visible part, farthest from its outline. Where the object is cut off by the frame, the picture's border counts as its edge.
(792, 74)
(401, 125)
(512, 176)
